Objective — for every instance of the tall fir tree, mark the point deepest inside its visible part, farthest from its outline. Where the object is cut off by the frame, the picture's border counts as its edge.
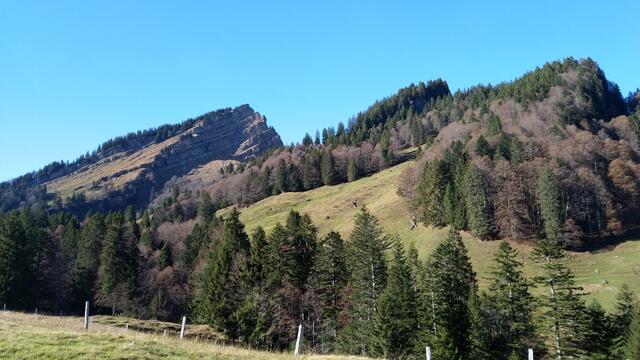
(299, 248)
(206, 209)
(513, 328)
(352, 170)
(479, 342)
(221, 286)
(17, 275)
(329, 279)
(432, 193)
(114, 272)
(483, 148)
(164, 257)
(85, 269)
(452, 284)
(550, 206)
(327, 168)
(563, 310)
(310, 173)
(367, 246)
(395, 320)
(479, 212)
(626, 303)
(598, 332)
(280, 178)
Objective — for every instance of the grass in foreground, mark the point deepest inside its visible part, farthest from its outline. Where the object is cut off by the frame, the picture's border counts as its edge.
(25, 336)
(330, 207)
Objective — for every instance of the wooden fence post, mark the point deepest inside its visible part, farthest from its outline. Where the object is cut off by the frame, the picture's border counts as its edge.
(86, 315)
(184, 323)
(297, 351)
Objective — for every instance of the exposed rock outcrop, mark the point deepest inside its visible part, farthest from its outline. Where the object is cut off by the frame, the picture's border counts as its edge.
(130, 177)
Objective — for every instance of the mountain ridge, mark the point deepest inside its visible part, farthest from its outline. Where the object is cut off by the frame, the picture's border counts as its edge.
(126, 170)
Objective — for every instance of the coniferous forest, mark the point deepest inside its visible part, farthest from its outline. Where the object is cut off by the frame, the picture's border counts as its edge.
(363, 294)
(550, 160)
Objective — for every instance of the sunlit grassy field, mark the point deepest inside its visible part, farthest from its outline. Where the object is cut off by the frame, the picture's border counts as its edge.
(25, 336)
(331, 208)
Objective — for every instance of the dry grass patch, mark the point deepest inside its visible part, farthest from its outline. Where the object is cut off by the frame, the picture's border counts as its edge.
(25, 336)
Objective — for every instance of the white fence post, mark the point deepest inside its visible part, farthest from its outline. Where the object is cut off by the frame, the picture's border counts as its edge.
(184, 323)
(428, 352)
(86, 315)
(126, 327)
(297, 351)
(530, 354)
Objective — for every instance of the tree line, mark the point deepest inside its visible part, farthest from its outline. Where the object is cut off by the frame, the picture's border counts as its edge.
(367, 294)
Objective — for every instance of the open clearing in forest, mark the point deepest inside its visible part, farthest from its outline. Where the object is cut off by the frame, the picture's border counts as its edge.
(26, 336)
(331, 208)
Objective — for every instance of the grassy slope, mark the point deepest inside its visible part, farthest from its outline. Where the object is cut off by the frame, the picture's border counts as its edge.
(115, 173)
(25, 336)
(331, 208)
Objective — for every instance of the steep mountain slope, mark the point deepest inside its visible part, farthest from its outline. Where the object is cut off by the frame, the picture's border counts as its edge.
(330, 207)
(128, 174)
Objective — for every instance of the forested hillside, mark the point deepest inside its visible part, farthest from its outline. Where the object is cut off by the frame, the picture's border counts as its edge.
(553, 154)
(549, 161)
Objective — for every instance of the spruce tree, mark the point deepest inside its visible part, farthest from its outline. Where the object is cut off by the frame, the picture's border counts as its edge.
(327, 168)
(206, 209)
(132, 252)
(70, 239)
(367, 246)
(16, 263)
(352, 170)
(280, 178)
(220, 289)
(164, 257)
(479, 211)
(625, 306)
(478, 334)
(395, 320)
(329, 279)
(455, 205)
(258, 255)
(598, 332)
(453, 281)
(432, 192)
(294, 183)
(512, 304)
(113, 276)
(84, 273)
(563, 310)
(483, 148)
(310, 173)
(550, 206)
(307, 140)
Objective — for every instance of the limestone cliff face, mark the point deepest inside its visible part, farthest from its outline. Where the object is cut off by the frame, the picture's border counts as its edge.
(129, 177)
(234, 134)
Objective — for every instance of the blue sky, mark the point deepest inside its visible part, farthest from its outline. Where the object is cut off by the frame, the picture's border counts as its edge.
(75, 73)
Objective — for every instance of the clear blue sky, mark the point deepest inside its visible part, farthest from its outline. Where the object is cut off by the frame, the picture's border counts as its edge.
(75, 73)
